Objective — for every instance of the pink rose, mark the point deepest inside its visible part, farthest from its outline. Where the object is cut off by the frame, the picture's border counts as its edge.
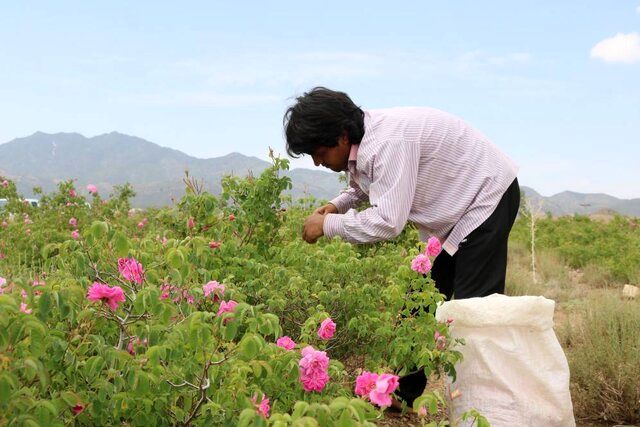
(72, 193)
(5, 224)
(385, 385)
(214, 245)
(377, 388)
(191, 223)
(232, 217)
(314, 369)
(263, 407)
(92, 189)
(421, 264)
(112, 296)
(75, 234)
(73, 222)
(5, 183)
(131, 269)
(327, 329)
(77, 409)
(286, 343)
(433, 246)
(365, 383)
(165, 291)
(24, 309)
(214, 288)
(226, 307)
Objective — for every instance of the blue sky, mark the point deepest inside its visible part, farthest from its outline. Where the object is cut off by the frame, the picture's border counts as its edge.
(555, 84)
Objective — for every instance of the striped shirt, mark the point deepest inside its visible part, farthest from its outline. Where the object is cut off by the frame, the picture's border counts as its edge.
(424, 166)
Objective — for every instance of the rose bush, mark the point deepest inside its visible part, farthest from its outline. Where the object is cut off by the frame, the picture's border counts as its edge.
(155, 325)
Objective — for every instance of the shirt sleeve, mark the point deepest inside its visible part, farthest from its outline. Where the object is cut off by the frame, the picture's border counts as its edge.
(394, 179)
(350, 198)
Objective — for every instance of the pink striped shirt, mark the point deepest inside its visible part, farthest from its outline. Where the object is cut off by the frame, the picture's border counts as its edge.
(424, 166)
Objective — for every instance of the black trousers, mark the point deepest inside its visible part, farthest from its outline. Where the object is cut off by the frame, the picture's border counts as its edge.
(477, 269)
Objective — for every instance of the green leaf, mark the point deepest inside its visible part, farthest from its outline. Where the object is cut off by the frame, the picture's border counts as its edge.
(249, 347)
(482, 421)
(247, 416)
(299, 409)
(174, 258)
(346, 420)
(69, 398)
(99, 229)
(45, 412)
(8, 384)
(121, 245)
(44, 306)
(31, 368)
(49, 249)
(94, 366)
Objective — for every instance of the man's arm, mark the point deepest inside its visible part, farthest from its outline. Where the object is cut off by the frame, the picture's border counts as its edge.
(395, 172)
(350, 198)
(326, 209)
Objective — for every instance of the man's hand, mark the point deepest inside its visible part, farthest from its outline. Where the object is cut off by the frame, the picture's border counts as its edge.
(313, 230)
(328, 208)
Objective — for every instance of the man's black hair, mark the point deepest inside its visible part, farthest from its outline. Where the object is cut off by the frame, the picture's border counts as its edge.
(319, 118)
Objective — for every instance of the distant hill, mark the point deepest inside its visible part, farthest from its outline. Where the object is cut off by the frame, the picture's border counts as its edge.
(570, 202)
(155, 172)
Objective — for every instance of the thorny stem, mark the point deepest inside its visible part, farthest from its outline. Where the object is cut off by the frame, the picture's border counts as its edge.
(203, 384)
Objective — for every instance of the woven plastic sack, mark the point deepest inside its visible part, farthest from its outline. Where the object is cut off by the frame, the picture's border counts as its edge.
(514, 371)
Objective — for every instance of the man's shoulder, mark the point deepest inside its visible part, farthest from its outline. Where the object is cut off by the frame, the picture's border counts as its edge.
(403, 111)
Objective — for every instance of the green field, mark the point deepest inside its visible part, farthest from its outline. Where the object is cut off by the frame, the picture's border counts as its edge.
(168, 355)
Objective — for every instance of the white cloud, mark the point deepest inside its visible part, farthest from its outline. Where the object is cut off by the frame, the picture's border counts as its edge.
(620, 48)
(638, 9)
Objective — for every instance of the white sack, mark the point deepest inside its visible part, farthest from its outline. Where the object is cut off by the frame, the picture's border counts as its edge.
(514, 371)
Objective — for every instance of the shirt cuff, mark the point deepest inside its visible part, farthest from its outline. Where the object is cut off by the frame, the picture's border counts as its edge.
(342, 202)
(333, 225)
(449, 247)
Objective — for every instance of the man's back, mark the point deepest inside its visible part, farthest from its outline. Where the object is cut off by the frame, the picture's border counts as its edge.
(461, 175)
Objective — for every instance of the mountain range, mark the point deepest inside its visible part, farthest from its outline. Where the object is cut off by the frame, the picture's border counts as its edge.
(156, 172)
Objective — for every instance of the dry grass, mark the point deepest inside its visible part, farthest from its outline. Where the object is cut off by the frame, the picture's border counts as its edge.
(604, 359)
(597, 276)
(598, 329)
(553, 277)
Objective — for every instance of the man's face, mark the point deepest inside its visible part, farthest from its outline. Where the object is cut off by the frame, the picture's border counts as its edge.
(334, 158)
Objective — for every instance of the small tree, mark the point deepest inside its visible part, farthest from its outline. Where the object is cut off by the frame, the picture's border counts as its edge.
(532, 211)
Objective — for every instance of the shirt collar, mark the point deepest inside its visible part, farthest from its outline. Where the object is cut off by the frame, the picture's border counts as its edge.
(353, 154)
